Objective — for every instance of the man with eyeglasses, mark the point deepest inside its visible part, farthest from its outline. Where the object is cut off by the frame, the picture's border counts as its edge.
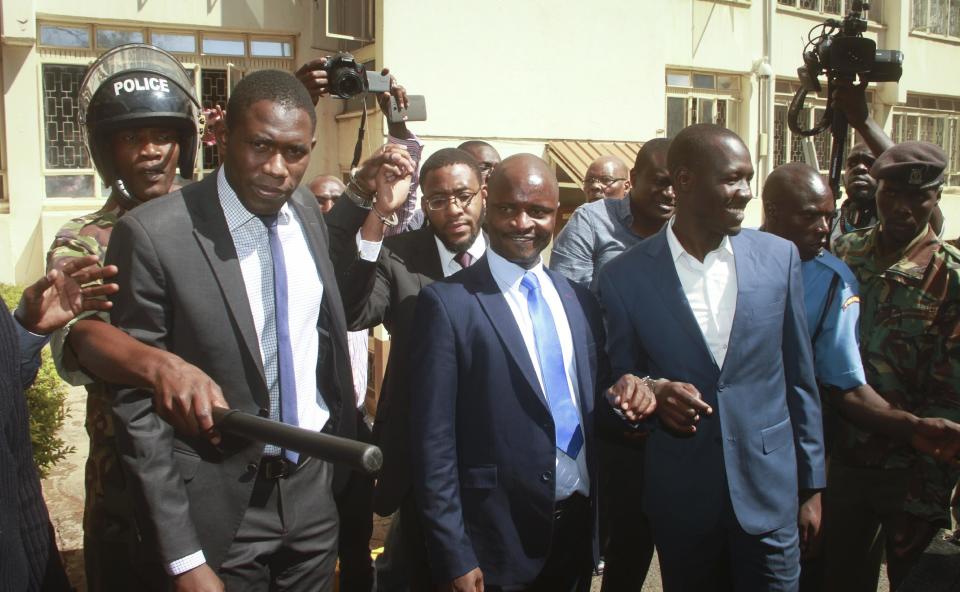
(380, 281)
(606, 178)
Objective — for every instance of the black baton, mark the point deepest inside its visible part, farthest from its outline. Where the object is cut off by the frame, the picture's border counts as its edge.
(360, 456)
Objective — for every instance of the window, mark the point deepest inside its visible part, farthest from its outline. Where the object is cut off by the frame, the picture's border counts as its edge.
(107, 38)
(175, 42)
(837, 7)
(343, 25)
(932, 119)
(939, 17)
(64, 151)
(787, 146)
(271, 49)
(65, 36)
(702, 97)
(223, 46)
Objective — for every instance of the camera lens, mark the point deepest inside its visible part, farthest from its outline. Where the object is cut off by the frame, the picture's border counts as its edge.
(346, 83)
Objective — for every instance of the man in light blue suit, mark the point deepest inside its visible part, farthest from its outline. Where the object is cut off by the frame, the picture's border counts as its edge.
(715, 318)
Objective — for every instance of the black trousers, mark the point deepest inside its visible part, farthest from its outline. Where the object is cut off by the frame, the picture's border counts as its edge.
(569, 565)
(626, 542)
(355, 507)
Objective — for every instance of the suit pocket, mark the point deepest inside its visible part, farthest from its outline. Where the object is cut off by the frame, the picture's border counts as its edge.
(479, 477)
(188, 462)
(777, 436)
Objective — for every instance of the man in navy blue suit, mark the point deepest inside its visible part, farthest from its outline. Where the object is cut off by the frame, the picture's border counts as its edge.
(510, 361)
(716, 317)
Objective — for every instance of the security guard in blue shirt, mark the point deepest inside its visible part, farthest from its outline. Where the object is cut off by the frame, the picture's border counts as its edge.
(798, 206)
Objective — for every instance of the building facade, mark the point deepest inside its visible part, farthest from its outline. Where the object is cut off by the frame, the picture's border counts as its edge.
(559, 78)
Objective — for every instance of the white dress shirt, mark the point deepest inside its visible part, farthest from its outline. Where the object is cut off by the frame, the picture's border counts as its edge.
(304, 290)
(711, 290)
(572, 476)
(370, 251)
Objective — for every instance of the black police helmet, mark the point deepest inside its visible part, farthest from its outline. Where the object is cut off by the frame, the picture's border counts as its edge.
(138, 86)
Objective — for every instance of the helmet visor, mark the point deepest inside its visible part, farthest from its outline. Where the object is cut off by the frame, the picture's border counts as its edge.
(131, 58)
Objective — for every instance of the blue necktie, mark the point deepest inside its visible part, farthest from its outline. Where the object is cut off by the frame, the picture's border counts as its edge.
(285, 371)
(566, 421)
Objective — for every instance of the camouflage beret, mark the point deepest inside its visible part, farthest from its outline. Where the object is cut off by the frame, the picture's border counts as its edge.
(918, 164)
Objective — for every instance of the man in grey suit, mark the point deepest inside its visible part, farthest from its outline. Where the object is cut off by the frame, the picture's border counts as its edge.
(232, 274)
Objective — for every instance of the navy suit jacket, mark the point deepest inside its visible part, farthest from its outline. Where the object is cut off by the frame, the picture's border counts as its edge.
(764, 441)
(483, 447)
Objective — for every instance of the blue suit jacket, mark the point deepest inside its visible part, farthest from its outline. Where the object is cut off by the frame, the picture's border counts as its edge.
(482, 436)
(764, 440)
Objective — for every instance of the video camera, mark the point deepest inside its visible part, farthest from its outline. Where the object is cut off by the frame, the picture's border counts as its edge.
(348, 78)
(843, 54)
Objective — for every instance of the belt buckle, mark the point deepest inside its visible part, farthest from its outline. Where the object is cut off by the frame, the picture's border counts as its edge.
(275, 468)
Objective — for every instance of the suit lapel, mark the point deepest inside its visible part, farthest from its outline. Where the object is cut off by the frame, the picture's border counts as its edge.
(495, 306)
(747, 277)
(213, 236)
(578, 331)
(671, 290)
(428, 266)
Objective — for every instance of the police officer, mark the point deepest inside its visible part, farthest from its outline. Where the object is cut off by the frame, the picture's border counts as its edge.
(799, 206)
(141, 123)
(883, 496)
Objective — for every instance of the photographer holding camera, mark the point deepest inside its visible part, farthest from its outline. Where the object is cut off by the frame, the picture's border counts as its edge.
(859, 209)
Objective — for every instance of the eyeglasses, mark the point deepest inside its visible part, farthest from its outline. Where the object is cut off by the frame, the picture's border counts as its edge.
(462, 199)
(604, 181)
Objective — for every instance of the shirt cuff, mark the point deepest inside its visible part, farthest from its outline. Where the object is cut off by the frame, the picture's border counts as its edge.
(369, 251)
(185, 564)
(30, 343)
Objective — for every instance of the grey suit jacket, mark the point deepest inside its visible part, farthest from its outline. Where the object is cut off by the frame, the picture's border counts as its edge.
(181, 289)
(385, 292)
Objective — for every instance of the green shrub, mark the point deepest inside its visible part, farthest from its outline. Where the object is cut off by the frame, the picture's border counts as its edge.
(46, 403)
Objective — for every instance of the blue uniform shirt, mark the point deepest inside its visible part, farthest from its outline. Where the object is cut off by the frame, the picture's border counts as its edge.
(837, 348)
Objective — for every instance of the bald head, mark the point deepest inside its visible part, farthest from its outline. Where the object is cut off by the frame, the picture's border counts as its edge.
(523, 173)
(606, 177)
(486, 156)
(798, 206)
(522, 201)
(701, 146)
(792, 185)
(326, 188)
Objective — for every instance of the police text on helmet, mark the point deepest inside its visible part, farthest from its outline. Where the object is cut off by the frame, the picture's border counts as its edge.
(136, 84)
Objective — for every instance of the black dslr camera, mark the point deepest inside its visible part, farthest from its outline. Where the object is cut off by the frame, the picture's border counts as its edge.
(348, 78)
(842, 53)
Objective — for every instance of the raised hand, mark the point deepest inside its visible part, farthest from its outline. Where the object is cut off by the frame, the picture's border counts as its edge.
(55, 299)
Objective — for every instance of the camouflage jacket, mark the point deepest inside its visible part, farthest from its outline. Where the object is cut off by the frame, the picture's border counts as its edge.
(108, 511)
(910, 344)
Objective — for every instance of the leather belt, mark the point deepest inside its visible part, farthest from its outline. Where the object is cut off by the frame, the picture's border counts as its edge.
(566, 506)
(277, 467)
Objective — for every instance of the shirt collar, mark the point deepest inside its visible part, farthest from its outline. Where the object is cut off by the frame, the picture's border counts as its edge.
(476, 250)
(676, 249)
(508, 274)
(234, 211)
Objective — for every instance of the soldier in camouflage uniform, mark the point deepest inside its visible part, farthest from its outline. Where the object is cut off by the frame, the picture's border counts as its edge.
(141, 123)
(910, 344)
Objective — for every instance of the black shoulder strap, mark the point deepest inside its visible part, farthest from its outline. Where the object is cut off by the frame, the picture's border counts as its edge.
(831, 294)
